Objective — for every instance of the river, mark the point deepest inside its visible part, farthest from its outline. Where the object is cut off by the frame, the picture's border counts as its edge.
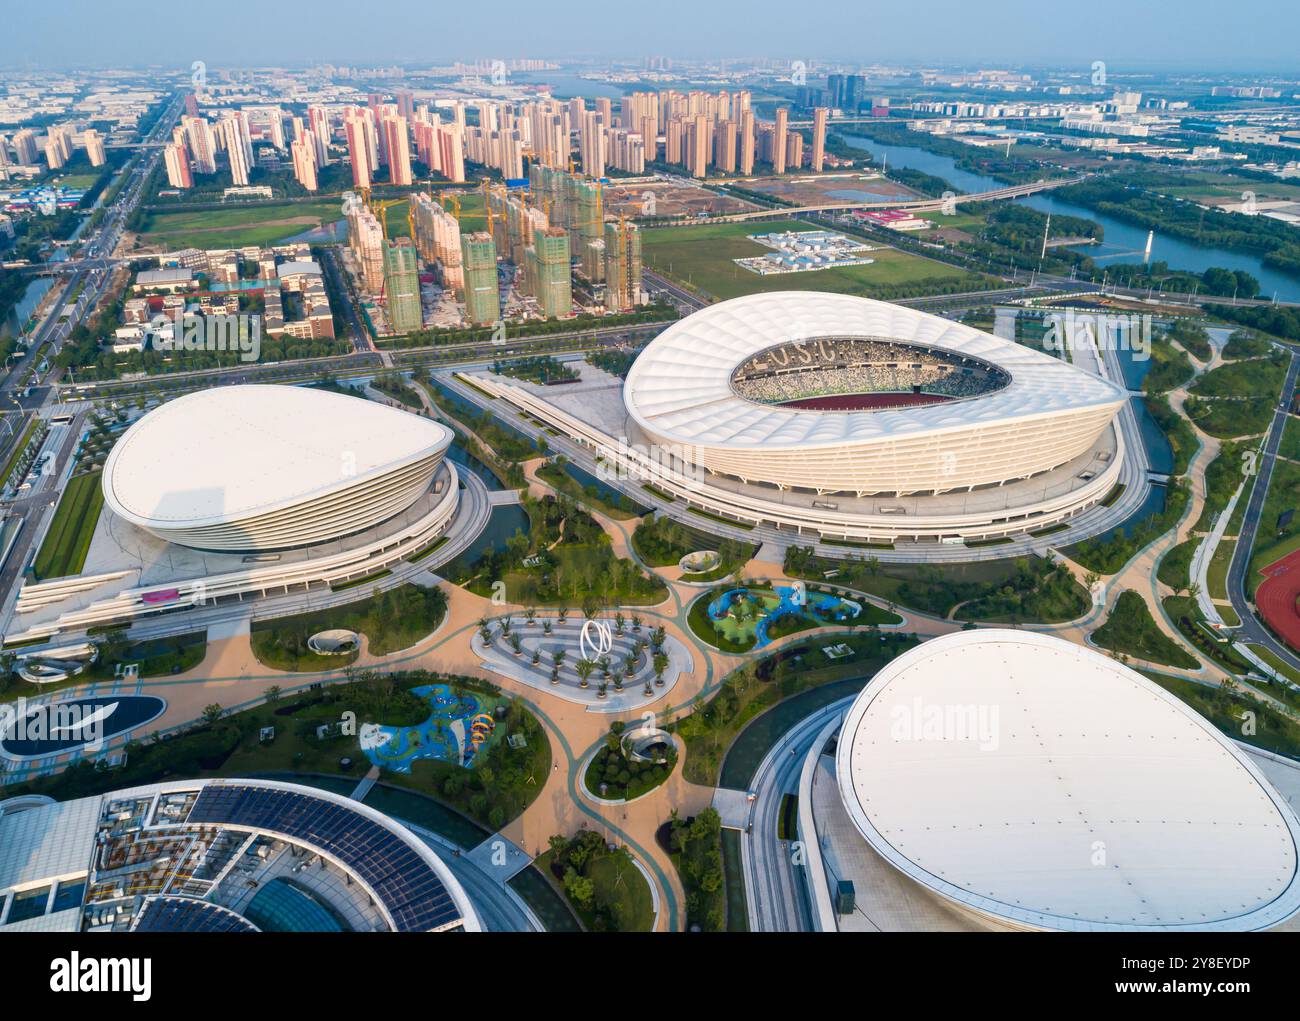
(1124, 242)
(36, 290)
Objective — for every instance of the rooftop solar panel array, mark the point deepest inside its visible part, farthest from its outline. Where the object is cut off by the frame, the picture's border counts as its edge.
(189, 914)
(410, 890)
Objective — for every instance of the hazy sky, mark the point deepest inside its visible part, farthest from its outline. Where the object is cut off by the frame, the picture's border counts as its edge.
(1131, 36)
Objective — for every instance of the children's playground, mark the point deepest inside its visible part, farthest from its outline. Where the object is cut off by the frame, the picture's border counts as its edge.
(458, 729)
(744, 615)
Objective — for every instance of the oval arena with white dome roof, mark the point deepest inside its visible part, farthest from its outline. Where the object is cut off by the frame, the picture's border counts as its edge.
(259, 468)
(1036, 784)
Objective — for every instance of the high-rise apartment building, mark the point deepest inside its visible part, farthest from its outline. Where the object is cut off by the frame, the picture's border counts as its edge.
(397, 145)
(747, 142)
(201, 144)
(437, 239)
(239, 145)
(482, 297)
(549, 275)
(402, 286)
(819, 138)
(359, 151)
(318, 121)
(622, 266)
(177, 161)
(24, 143)
(779, 134)
(94, 143)
(303, 151)
(366, 241)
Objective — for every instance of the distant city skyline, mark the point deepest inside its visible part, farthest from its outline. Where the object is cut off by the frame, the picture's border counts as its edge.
(1132, 38)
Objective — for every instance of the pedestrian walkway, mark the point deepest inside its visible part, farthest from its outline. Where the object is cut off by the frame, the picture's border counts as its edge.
(363, 788)
(732, 807)
(240, 627)
(500, 858)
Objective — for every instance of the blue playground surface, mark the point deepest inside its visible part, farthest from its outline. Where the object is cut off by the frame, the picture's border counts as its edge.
(818, 609)
(456, 729)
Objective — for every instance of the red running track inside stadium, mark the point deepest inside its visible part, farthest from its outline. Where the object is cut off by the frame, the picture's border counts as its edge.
(864, 402)
(1276, 598)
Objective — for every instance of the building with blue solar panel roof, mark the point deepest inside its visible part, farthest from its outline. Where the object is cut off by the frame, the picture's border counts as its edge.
(220, 856)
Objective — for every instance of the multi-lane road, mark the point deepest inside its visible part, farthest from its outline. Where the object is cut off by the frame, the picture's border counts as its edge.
(1251, 628)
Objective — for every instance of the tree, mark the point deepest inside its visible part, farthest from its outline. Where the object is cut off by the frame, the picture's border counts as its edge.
(660, 665)
(273, 693)
(584, 668)
(212, 713)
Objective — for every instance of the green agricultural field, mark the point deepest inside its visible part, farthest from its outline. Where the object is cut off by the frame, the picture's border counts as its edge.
(701, 258)
(238, 226)
(64, 550)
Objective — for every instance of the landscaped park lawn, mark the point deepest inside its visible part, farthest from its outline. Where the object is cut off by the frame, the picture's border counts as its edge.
(238, 226)
(794, 671)
(605, 888)
(701, 258)
(737, 630)
(625, 778)
(1130, 630)
(1016, 590)
(570, 562)
(606, 500)
(67, 542)
(1225, 710)
(1273, 540)
(393, 619)
(503, 781)
(695, 846)
(662, 542)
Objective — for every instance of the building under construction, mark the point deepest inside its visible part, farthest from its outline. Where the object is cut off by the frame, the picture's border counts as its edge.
(479, 261)
(622, 266)
(549, 274)
(437, 239)
(402, 286)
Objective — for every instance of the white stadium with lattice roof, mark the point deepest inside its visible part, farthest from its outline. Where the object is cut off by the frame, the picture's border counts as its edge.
(839, 394)
(851, 419)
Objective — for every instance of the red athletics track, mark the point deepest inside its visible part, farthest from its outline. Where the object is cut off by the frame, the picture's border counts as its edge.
(1276, 598)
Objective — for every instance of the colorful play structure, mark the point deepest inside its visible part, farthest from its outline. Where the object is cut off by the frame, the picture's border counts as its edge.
(457, 729)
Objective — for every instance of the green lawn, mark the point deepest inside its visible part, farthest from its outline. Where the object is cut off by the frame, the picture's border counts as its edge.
(64, 550)
(625, 778)
(797, 680)
(499, 786)
(605, 888)
(1230, 417)
(393, 619)
(1272, 541)
(1225, 710)
(1175, 565)
(1013, 590)
(1272, 659)
(701, 257)
(1131, 630)
(237, 226)
(18, 449)
(1216, 578)
(1290, 445)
